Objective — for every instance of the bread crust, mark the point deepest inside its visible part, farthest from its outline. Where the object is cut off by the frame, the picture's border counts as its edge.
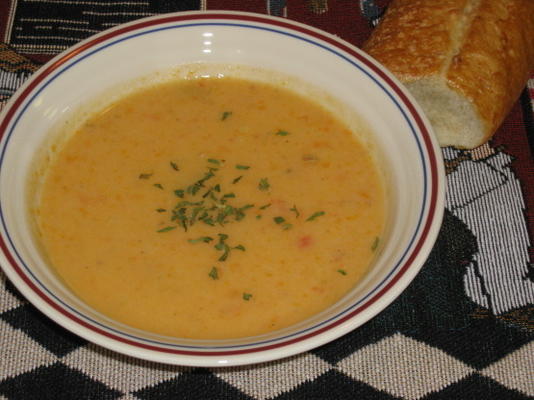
(483, 50)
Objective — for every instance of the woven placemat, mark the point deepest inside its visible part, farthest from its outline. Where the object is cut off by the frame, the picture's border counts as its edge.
(463, 329)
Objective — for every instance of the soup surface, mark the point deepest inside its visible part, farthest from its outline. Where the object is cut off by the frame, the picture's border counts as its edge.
(212, 208)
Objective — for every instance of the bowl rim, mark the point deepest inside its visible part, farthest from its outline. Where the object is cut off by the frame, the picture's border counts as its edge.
(257, 351)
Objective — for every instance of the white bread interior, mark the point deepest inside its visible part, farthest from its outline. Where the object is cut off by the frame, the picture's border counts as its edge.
(453, 117)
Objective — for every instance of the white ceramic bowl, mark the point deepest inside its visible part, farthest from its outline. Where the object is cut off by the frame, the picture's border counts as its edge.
(402, 134)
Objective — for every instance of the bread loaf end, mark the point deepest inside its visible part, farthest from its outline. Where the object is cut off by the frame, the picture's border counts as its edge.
(468, 82)
(455, 119)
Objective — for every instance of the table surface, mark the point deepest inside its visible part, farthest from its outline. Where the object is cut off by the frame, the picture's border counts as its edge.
(463, 329)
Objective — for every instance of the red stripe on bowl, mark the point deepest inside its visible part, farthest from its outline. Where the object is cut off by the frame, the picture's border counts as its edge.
(55, 64)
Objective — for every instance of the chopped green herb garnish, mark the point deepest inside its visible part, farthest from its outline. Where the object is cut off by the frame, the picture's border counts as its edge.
(202, 239)
(145, 176)
(223, 213)
(282, 133)
(208, 221)
(279, 220)
(214, 274)
(200, 202)
(258, 216)
(179, 213)
(193, 189)
(287, 226)
(222, 246)
(247, 296)
(225, 115)
(264, 184)
(265, 206)
(240, 212)
(315, 215)
(224, 256)
(294, 209)
(208, 193)
(342, 271)
(228, 210)
(374, 246)
(194, 215)
(167, 229)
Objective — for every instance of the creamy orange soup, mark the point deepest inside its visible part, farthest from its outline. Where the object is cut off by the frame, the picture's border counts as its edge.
(212, 208)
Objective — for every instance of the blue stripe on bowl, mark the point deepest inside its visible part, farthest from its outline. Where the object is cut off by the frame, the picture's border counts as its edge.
(338, 54)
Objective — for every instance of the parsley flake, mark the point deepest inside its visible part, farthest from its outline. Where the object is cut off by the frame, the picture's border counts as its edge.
(247, 296)
(264, 184)
(214, 274)
(374, 246)
(222, 246)
(279, 220)
(315, 215)
(166, 229)
(224, 256)
(202, 239)
(240, 212)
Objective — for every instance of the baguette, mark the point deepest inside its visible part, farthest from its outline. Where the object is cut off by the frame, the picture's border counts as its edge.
(465, 61)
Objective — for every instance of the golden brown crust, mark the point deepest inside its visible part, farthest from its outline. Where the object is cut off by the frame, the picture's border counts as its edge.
(495, 59)
(414, 37)
(482, 49)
